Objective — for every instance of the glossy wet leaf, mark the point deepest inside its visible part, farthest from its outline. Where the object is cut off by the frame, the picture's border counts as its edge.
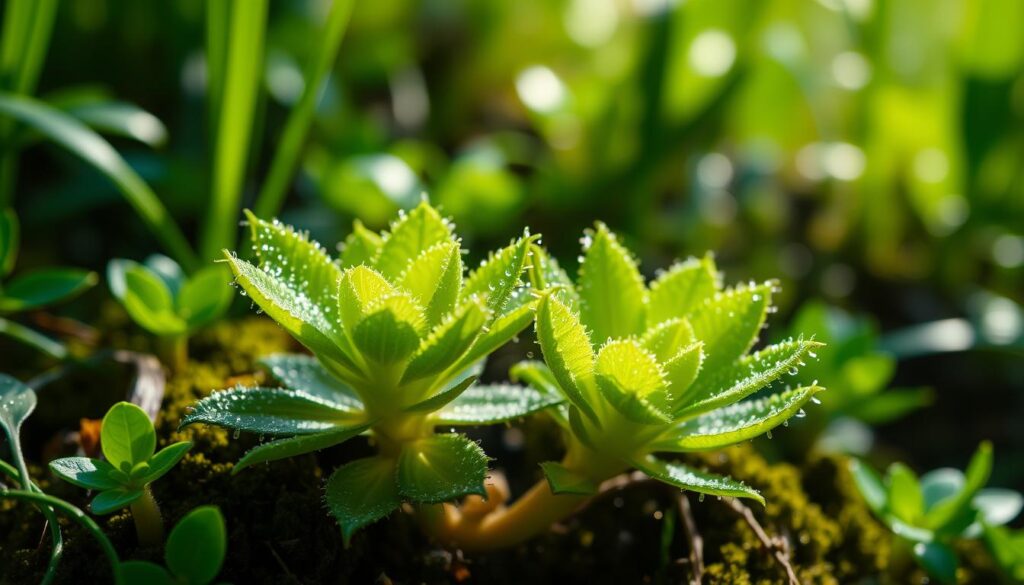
(442, 397)
(196, 546)
(495, 403)
(681, 371)
(127, 436)
(736, 423)
(499, 275)
(391, 330)
(414, 232)
(44, 287)
(611, 290)
(361, 246)
(682, 289)
(17, 401)
(306, 374)
(274, 411)
(498, 333)
(93, 474)
(362, 492)
(666, 339)
(112, 500)
(297, 445)
(164, 460)
(434, 279)
(563, 480)
(632, 381)
(448, 341)
(686, 478)
(567, 352)
(547, 273)
(729, 324)
(441, 468)
(358, 288)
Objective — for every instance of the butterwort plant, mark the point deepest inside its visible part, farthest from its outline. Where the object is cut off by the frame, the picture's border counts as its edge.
(171, 305)
(131, 463)
(643, 371)
(398, 335)
(927, 515)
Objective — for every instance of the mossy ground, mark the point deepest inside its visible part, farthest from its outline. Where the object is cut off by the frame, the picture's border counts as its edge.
(279, 531)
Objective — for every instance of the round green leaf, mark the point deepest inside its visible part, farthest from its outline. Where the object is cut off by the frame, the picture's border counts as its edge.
(44, 287)
(143, 573)
(164, 461)
(361, 493)
(196, 546)
(441, 468)
(127, 436)
(205, 296)
(93, 474)
(146, 298)
(109, 501)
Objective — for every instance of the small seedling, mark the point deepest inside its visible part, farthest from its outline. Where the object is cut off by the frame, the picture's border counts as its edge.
(931, 513)
(643, 371)
(34, 290)
(167, 303)
(128, 442)
(194, 552)
(399, 336)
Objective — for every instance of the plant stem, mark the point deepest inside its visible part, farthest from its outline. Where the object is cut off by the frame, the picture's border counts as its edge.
(149, 526)
(44, 501)
(173, 350)
(528, 516)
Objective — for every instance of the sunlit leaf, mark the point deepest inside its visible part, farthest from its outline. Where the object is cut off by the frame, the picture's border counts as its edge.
(905, 498)
(680, 372)
(682, 289)
(92, 474)
(274, 411)
(667, 338)
(448, 341)
(362, 492)
(361, 246)
(391, 330)
(612, 292)
(357, 289)
(305, 373)
(498, 276)
(127, 436)
(870, 486)
(546, 273)
(492, 404)
(701, 482)
(501, 331)
(441, 468)
(729, 324)
(204, 297)
(414, 232)
(164, 460)
(567, 352)
(632, 381)
(434, 278)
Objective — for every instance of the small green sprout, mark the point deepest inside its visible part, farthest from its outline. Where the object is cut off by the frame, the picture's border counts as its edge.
(929, 514)
(663, 369)
(399, 336)
(128, 442)
(194, 552)
(167, 303)
(34, 290)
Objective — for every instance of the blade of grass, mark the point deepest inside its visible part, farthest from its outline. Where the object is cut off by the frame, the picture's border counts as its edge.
(243, 68)
(85, 143)
(30, 337)
(282, 168)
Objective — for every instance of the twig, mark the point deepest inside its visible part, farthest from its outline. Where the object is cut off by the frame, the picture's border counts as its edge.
(777, 547)
(696, 541)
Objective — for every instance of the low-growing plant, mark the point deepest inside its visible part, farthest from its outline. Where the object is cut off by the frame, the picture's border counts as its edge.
(128, 441)
(194, 552)
(642, 371)
(398, 336)
(164, 301)
(33, 290)
(929, 514)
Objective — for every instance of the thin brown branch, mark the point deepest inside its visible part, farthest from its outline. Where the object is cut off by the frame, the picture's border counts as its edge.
(778, 547)
(696, 541)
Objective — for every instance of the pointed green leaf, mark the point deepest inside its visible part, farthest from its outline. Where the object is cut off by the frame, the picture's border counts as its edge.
(729, 324)
(500, 332)
(870, 486)
(298, 445)
(905, 498)
(498, 276)
(362, 492)
(112, 500)
(498, 403)
(145, 297)
(612, 292)
(681, 371)
(977, 475)
(448, 341)
(204, 297)
(196, 546)
(938, 560)
(361, 246)
(297, 261)
(9, 237)
(563, 480)
(298, 315)
(359, 287)
(17, 401)
(441, 468)
(631, 380)
(434, 278)
(413, 233)
(567, 352)
(44, 287)
(305, 373)
(91, 474)
(546, 273)
(539, 376)
(447, 393)
(391, 330)
(682, 289)
(752, 373)
(701, 482)
(143, 573)
(939, 484)
(667, 338)
(738, 422)
(274, 411)
(165, 459)
(127, 436)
